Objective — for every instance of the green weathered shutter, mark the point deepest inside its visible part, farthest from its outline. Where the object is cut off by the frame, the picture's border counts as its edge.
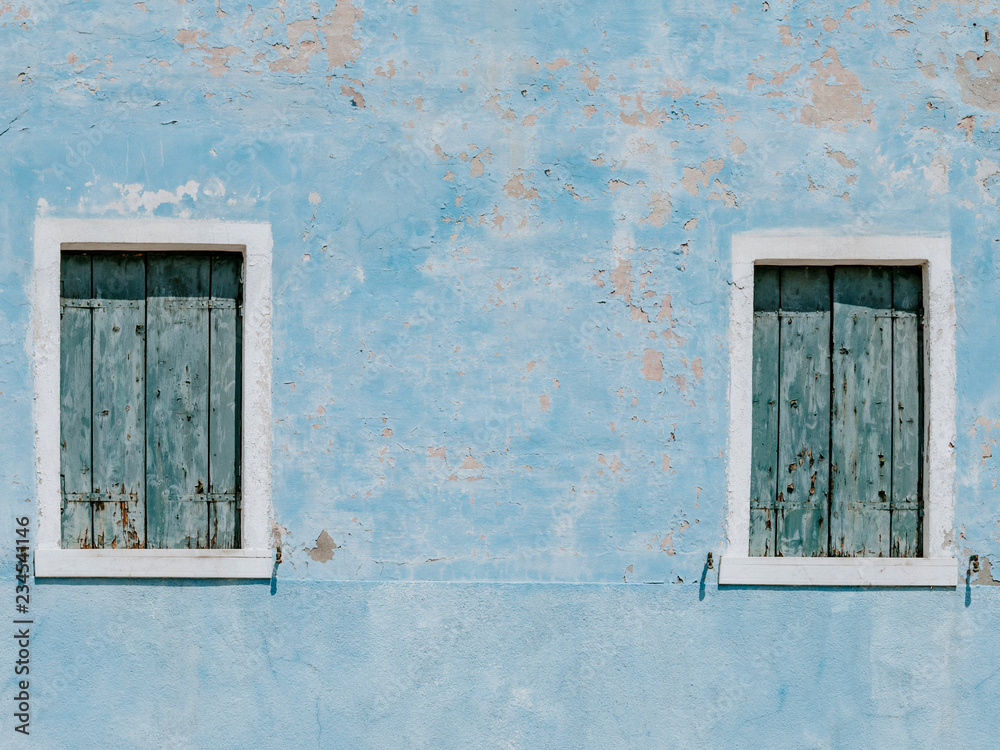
(75, 422)
(862, 417)
(119, 400)
(224, 403)
(804, 413)
(907, 380)
(764, 455)
(837, 422)
(177, 400)
(150, 422)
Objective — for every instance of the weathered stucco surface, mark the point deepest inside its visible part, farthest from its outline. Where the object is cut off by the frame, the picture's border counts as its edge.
(501, 268)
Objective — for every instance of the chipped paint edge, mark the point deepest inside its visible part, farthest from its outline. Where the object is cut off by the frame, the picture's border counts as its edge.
(934, 254)
(165, 235)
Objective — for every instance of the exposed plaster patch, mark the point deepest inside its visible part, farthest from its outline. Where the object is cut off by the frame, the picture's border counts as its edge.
(642, 118)
(737, 146)
(135, 198)
(476, 162)
(968, 124)
(659, 210)
(306, 37)
(470, 463)
(986, 169)
(787, 40)
(652, 364)
(984, 91)
(937, 174)
(841, 158)
(985, 575)
(693, 175)
(621, 277)
(217, 61)
(836, 96)
(544, 401)
(190, 36)
(561, 62)
(324, 549)
(590, 79)
(515, 188)
(357, 98)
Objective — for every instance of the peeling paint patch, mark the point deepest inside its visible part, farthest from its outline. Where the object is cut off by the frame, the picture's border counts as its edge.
(659, 210)
(836, 96)
(135, 198)
(652, 364)
(693, 176)
(981, 91)
(324, 549)
(621, 277)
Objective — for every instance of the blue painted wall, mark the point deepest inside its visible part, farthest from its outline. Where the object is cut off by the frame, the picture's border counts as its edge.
(502, 235)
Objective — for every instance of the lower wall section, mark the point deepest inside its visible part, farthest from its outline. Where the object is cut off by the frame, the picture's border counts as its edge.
(437, 665)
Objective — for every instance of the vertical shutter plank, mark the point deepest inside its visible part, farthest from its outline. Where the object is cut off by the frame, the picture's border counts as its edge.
(224, 423)
(119, 399)
(764, 454)
(907, 419)
(75, 424)
(177, 377)
(862, 421)
(804, 426)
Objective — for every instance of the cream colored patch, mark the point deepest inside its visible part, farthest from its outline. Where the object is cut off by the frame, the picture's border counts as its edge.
(307, 37)
(652, 364)
(544, 402)
(515, 188)
(217, 60)
(590, 79)
(659, 210)
(841, 158)
(356, 96)
(135, 198)
(476, 163)
(836, 96)
(937, 174)
(190, 36)
(562, 62)
(737, 146)
(694, 176)
(621, 277)
(985, 170)
(982, 91)
(968, 124)
(437, 453)
(314, 198)
(324, 549)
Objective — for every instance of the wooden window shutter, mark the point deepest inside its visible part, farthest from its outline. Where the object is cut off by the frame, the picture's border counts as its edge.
(837, 393)
(150, 401)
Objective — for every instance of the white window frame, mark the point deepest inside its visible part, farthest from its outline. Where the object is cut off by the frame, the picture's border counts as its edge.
(938, 566)
(255, 559)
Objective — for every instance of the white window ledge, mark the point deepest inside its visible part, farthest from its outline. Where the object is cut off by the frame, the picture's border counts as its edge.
(838, 571)
(153, 563)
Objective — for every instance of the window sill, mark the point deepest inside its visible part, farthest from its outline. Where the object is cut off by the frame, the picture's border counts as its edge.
(838, 571)
(153, 563)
